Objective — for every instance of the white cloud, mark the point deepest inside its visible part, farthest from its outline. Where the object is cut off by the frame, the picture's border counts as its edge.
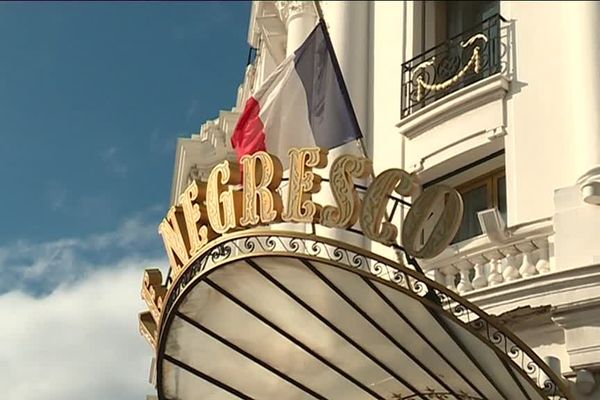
(40, 267)
(79, 342)
(68, 312)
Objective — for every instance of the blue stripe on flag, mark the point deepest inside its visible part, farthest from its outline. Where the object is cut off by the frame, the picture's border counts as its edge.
(331, 115)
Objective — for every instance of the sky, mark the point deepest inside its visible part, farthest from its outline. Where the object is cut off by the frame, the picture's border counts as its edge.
(93, 97)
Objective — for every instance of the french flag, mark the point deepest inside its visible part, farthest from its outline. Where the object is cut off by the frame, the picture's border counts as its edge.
(303, 103)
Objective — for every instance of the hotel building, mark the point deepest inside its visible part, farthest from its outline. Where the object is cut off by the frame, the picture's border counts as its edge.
(497, 99)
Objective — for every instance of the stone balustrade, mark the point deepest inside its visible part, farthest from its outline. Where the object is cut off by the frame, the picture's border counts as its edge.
(479, 263)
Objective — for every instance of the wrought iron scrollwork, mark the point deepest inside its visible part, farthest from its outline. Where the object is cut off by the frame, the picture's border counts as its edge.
(272, 243)
(464, 59)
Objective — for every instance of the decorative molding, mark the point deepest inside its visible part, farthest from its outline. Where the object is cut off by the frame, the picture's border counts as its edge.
(271, 32)
(496, 132)
(197, 155)
(198, 173)
(565, 288)
(289, 10)
(581, 322)
(473, 96)
(589, 184)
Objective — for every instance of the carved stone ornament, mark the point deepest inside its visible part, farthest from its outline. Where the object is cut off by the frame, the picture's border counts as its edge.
(197, 174)
(290, 9)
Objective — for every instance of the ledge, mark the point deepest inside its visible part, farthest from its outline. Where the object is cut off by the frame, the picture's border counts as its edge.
(481, 244)
(475, 95)
(560, 289)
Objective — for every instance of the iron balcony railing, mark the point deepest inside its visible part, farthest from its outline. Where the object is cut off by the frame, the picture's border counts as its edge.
(460, 61)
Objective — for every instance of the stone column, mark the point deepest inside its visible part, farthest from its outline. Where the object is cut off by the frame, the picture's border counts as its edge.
(577, 210)
(583, 55)
(299, 18)
(348, 26)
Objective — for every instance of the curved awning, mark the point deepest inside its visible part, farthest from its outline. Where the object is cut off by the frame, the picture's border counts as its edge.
(285, 317)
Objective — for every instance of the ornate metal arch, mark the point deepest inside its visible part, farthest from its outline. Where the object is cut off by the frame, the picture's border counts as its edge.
(254, 244)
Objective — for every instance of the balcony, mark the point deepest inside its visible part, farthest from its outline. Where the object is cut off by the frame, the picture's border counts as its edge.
(478, 53)
(476, 265)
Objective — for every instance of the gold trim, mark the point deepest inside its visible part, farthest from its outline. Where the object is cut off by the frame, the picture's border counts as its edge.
(148, 329)
(474, 62)
(153, 292)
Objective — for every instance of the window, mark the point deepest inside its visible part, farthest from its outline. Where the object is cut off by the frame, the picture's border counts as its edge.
(464, 15)
(456, 43)
(459, 20)
(483, 193)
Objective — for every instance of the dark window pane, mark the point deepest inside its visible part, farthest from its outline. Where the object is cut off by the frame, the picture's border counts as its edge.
(474, 200)
(501, 200)
(463, 15)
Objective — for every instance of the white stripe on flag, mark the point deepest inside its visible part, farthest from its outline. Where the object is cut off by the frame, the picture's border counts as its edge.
(284, 112)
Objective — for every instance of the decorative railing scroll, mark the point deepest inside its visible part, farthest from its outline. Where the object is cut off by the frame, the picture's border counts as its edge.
(462, 60)
(473, 63)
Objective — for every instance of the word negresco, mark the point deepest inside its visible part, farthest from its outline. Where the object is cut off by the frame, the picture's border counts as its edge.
(230, 200)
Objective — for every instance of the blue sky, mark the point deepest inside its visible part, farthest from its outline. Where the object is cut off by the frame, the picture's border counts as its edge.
(92, 99)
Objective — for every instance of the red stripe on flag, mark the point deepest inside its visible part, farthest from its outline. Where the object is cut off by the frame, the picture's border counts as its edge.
(249, 134)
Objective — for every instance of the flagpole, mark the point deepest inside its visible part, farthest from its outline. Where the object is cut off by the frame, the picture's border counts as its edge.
(360, 142)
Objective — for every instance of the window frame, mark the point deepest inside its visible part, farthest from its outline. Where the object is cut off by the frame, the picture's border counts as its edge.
(490, 180)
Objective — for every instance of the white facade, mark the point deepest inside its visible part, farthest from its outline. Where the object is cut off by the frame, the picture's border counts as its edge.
(540, 269)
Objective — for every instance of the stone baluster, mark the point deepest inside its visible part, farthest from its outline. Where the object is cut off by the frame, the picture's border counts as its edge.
(450, 272)
(479, 280)
(464, 266)
(495, 275)
(527, 268)
(543, 264)
(436, 275)
(510, 272)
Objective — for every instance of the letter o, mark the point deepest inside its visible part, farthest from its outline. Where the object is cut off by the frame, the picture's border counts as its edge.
(445, 227)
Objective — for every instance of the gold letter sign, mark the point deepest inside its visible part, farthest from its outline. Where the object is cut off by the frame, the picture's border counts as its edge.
(206, 210)
(173, 238)
(424, 211)
(343, 169)
(269, 174)
(303, 182)
(375, 202)
(223, 204)
(195, 216)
